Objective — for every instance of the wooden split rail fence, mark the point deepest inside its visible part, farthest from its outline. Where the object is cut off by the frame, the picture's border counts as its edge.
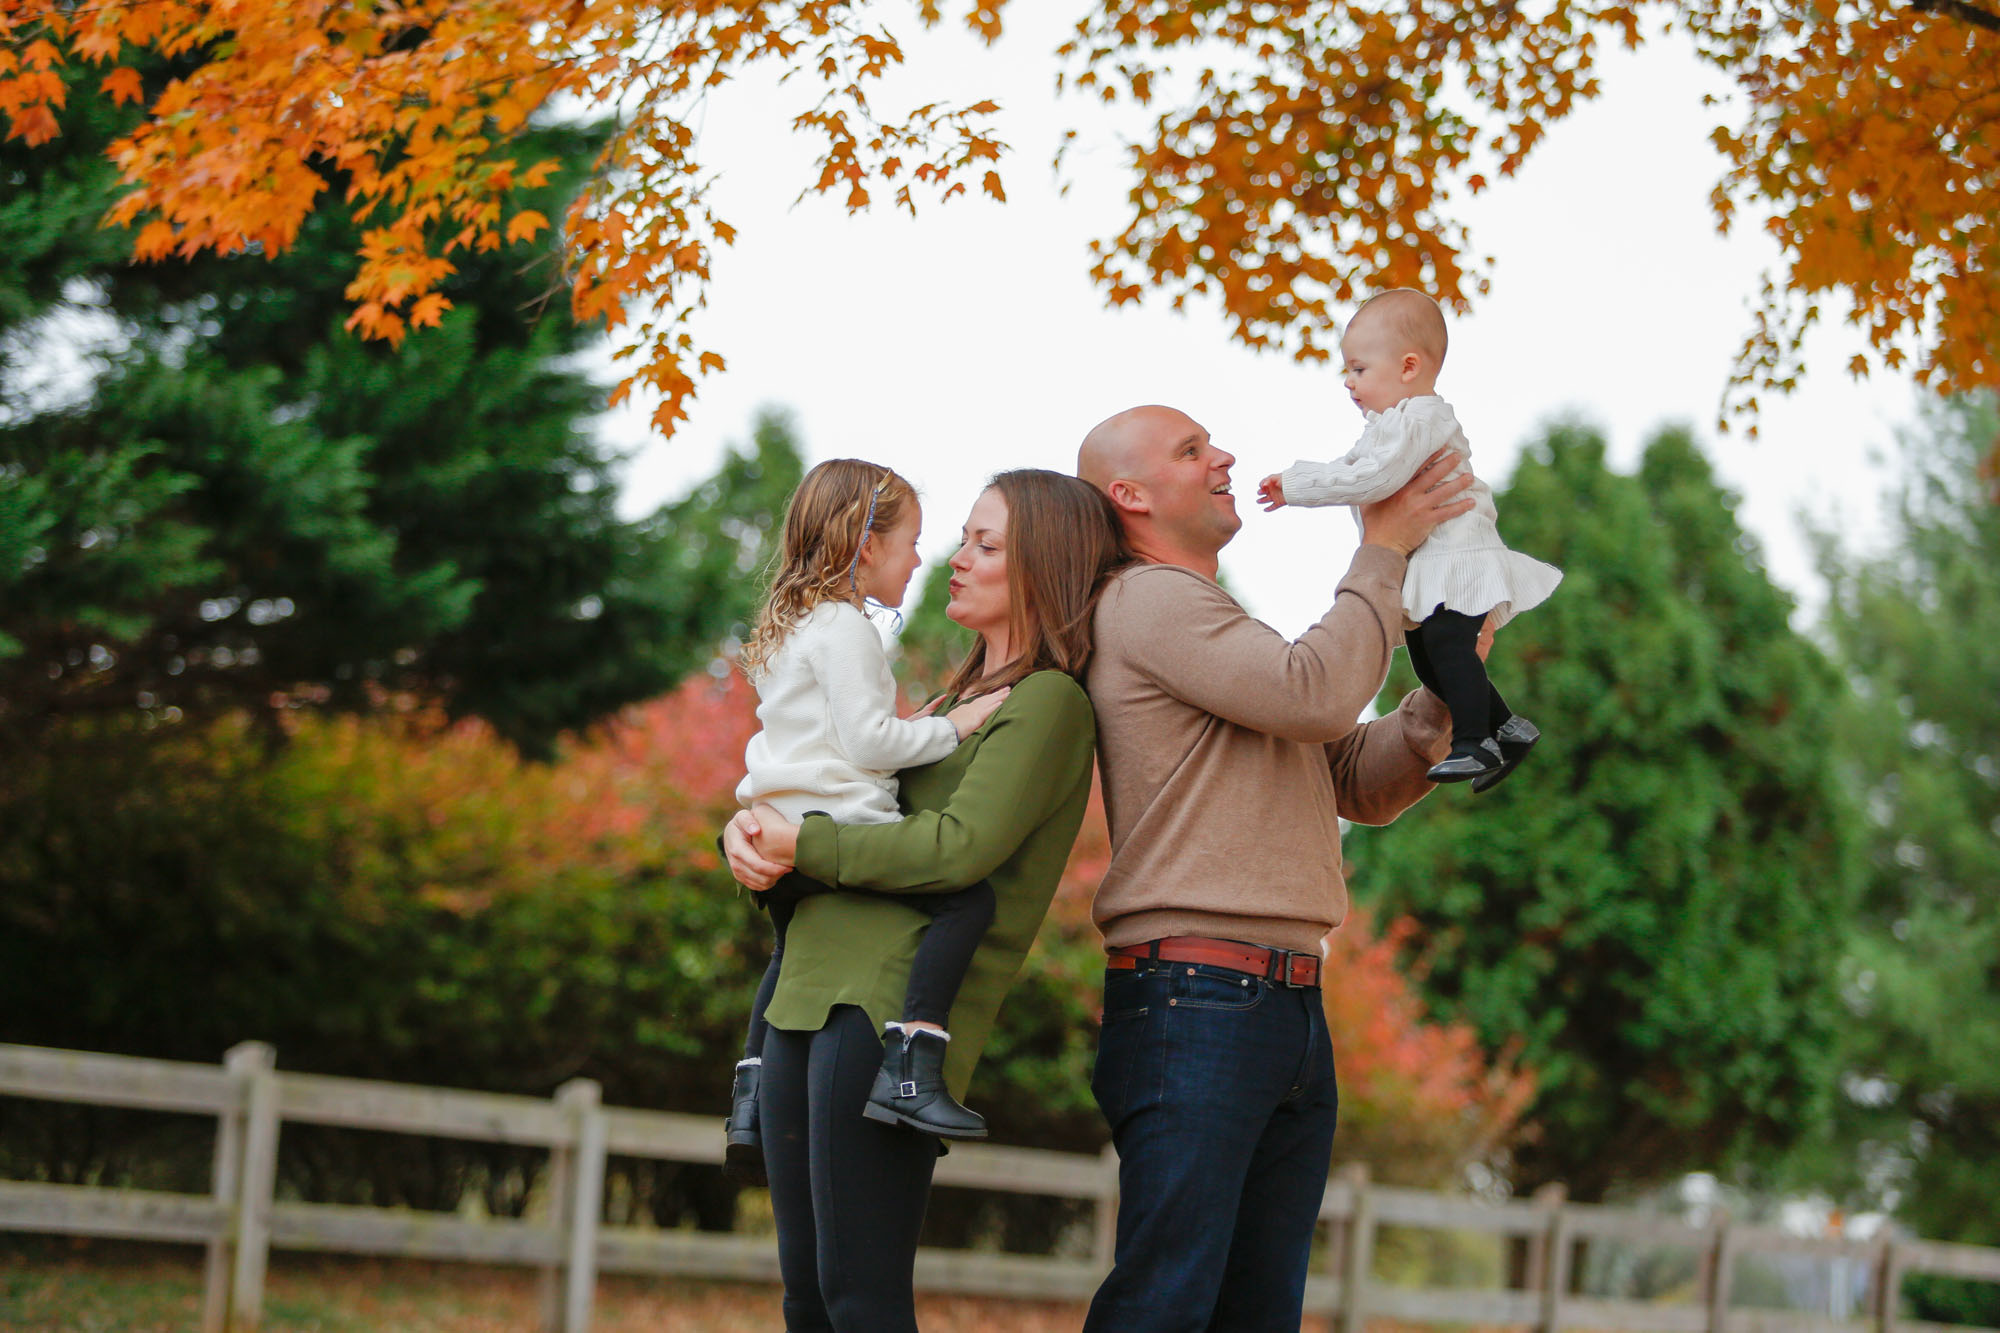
(241, 1220)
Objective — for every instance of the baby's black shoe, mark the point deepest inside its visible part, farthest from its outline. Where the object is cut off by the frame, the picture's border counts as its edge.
(1516, 736)
(1467, 761)
(743, 1139)
(909, 1088)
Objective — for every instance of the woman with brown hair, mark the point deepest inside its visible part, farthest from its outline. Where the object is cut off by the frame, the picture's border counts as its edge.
(1004, 806)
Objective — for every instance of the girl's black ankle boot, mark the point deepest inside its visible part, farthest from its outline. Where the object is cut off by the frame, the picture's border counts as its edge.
(909, 1090)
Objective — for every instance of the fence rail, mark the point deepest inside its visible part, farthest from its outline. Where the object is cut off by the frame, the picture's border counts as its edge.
(240, 1220)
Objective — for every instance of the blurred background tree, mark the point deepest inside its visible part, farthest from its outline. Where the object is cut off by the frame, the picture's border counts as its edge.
(229, 533)
(1917, 626)
(1641, 914)
(242, 506)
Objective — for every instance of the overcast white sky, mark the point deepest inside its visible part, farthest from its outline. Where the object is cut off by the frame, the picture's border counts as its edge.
(970, 338)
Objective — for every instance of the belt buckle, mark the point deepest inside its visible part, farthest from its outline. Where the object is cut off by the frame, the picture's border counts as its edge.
(1287, 964)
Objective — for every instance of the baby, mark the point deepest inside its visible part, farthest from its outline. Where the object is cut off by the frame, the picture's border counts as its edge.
(1463, 575)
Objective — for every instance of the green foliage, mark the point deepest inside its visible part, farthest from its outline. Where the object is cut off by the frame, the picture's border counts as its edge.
(382, 899)
(396, 899)
(250, 509)
(1919, 628)
(53, 200)
(723, 537)
(1641, 914)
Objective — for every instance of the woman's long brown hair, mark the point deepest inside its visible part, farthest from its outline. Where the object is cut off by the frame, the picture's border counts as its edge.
(1063, 543)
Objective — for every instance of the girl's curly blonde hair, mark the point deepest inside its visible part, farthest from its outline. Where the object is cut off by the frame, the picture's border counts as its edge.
(834, 509)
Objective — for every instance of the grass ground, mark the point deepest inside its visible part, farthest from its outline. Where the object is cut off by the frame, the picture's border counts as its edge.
(103, 1287)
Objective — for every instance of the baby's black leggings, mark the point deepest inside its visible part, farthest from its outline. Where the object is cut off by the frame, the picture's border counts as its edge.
(1443, 649)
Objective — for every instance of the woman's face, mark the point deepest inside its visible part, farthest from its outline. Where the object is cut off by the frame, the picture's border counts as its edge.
(979, 569)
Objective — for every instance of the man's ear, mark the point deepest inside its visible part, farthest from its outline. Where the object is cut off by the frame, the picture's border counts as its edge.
(1129, 497)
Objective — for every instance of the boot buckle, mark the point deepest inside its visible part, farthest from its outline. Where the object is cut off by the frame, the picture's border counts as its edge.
(906, 1088)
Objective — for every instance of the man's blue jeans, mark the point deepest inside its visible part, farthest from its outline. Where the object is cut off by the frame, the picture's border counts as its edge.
(1219, 1091)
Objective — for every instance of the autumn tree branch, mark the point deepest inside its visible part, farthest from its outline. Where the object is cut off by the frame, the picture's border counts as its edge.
(1962, 11)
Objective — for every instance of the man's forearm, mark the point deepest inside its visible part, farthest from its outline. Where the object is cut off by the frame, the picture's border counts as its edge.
(1378, 770)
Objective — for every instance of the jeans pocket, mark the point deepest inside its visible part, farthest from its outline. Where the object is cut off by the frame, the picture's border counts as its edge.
(1126, 997)
(1216, 988)
(1126, 1075)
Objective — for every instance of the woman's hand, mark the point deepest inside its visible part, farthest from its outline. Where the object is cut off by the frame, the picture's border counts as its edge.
(761, 847)
(777, 838)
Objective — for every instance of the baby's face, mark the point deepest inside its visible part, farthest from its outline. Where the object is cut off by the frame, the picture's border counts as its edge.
(1372, 366)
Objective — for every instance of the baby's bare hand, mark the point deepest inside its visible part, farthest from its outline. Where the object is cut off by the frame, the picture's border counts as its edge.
(1271, 492)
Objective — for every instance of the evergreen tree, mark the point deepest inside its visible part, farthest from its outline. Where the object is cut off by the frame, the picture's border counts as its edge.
(253, 509)
(724, 537)
(1918, 627)
(1643, 913)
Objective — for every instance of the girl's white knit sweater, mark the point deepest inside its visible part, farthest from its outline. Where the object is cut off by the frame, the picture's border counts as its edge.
(831, 740)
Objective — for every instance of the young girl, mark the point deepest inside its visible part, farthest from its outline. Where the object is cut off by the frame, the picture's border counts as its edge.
(832, 742)
(1463, 574)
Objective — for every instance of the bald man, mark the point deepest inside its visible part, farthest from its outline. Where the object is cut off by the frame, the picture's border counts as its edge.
(1229, 756)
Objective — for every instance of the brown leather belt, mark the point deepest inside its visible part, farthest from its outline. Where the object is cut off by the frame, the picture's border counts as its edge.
(1283, 967)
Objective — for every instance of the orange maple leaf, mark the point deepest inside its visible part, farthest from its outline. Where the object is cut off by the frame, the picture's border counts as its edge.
(524, 224)
(123, 85)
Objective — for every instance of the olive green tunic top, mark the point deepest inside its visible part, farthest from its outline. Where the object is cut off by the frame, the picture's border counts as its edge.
(1004, 807)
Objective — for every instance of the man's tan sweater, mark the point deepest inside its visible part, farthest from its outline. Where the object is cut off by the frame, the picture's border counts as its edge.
(1229, 755)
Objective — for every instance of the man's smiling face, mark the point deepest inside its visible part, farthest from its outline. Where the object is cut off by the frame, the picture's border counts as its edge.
(1188, 484)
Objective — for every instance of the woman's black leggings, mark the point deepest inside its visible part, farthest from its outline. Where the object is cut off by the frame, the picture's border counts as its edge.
(848, 1193)
(1444, 650)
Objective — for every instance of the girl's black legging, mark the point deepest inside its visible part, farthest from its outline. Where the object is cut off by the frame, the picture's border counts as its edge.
(959, 921)
(848, 1193)
(1444, 651)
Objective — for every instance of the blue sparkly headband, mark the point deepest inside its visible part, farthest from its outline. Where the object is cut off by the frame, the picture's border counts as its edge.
(867, 526)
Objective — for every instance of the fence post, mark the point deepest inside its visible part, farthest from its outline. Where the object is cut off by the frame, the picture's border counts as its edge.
(1535, 1264)
(1336, 1236)
(1358, 1260)
(1556, 1250)
(1888, 1285)
(582, 1098)
(557, 1190)
(1721, 1273)
(226, 1178)
(258, 1180)
(1104, 1248)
